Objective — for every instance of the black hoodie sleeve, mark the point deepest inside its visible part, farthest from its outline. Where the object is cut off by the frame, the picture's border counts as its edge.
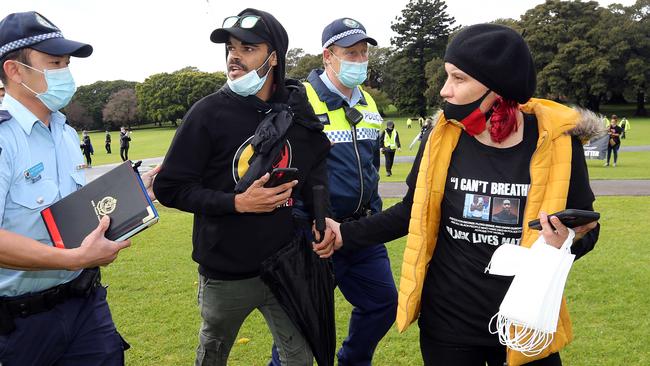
(179, 183)
(581, 197)
(389, 224)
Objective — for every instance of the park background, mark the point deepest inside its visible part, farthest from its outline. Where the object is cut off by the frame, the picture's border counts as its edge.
(586, 55)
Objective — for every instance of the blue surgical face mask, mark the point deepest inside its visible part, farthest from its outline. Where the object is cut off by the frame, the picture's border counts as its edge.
(251, 83)
(60, 87)
(351, 74)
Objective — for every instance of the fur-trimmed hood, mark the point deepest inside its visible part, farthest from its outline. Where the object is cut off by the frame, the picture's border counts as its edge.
(558, 119)
(589, 125)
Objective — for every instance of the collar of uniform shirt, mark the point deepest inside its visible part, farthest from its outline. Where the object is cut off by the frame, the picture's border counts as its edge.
(26, 119)
(356, 93)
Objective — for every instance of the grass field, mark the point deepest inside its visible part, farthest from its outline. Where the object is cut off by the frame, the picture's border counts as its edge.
(153, 297)
(153, 142)
(145, 143)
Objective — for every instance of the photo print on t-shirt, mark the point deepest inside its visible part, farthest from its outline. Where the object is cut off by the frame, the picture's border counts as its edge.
(505, 210)
(476, 207)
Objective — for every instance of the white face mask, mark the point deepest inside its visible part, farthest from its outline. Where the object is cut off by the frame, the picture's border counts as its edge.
(528, 315)
(251, 83)
(60, 87)
(351, 74)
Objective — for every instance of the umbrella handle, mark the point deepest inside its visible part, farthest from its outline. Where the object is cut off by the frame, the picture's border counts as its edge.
(320, 208)
(322, 235)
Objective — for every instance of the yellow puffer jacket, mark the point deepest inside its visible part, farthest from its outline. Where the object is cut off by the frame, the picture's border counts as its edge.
(550, 172)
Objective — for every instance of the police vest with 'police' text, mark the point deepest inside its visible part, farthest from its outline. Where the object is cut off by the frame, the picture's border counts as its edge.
(336, 126)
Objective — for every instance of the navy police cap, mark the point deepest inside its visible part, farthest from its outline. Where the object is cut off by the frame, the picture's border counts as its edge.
(345, 32)
(31, 29)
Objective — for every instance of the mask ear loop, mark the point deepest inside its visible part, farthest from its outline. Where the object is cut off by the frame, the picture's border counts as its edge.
(28, 88)
(519, 337)
(330, 65)
(25, 85)
(268, 58)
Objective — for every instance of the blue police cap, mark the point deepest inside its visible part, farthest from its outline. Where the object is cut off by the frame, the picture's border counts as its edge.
(31, 29)
(345, 32)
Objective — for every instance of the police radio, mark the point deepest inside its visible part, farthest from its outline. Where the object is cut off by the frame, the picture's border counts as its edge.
(353, 116)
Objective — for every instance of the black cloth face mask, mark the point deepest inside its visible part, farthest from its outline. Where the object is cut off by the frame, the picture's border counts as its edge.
(469, 115)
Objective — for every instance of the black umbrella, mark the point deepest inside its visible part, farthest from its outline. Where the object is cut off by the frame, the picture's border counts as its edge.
(303, 283)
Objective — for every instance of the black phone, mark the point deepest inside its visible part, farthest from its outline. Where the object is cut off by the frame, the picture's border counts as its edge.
(280, 176)
(570, 218)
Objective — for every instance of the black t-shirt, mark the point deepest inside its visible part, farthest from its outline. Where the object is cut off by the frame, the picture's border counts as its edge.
(617, 130)
(483, 207)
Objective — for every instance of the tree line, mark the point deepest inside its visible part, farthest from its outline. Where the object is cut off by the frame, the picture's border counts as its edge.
(161, 98)
(584, 54)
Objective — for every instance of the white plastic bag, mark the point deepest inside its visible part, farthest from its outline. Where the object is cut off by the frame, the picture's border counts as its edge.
(529, 312)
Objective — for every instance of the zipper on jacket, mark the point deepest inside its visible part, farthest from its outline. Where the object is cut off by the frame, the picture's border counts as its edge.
(356, 151)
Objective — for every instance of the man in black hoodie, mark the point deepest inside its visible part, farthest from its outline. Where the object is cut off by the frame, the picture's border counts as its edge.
(217, 167)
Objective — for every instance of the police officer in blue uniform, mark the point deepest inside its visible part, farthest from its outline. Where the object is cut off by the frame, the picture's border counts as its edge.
(352, 123)
(50, 316)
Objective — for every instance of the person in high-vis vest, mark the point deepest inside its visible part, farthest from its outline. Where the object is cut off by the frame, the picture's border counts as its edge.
(492, 140)
(352, 123)
(389, 140)
(626, 126)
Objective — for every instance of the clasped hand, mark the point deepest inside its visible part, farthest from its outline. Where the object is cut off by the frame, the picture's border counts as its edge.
(332, 239)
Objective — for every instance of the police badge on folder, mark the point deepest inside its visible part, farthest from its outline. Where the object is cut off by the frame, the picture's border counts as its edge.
(119, 193)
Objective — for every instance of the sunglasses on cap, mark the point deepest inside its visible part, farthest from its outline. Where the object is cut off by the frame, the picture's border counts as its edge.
(244, 21)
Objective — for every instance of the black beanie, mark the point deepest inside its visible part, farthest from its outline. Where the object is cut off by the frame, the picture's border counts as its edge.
(498, 57)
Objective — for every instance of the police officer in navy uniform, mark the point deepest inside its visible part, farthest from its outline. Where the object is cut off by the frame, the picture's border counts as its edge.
(47, 316)
(335, 93)
(389, 142)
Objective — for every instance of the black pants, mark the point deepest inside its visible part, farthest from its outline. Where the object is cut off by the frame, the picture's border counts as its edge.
(124, 153)
(89, 160)
(436, 353)
(390, 156)
(614, 148)
(108, 147)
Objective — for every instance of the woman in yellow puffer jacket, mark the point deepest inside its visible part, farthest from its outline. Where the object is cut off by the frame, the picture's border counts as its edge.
(516, 153)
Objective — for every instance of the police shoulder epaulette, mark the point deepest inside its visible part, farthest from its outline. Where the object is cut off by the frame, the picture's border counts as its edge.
(4, 115)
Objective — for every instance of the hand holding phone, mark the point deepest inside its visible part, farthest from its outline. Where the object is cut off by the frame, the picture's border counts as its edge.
(258, 198)
(280, 176)
(570, 218)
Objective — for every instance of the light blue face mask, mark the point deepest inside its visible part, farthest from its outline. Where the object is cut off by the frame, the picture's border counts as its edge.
(60, 87)
(351, 74)
(251, 83)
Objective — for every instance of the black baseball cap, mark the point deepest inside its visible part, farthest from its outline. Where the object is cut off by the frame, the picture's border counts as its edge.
(345, 32)
(257, 33)
(31, 29)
